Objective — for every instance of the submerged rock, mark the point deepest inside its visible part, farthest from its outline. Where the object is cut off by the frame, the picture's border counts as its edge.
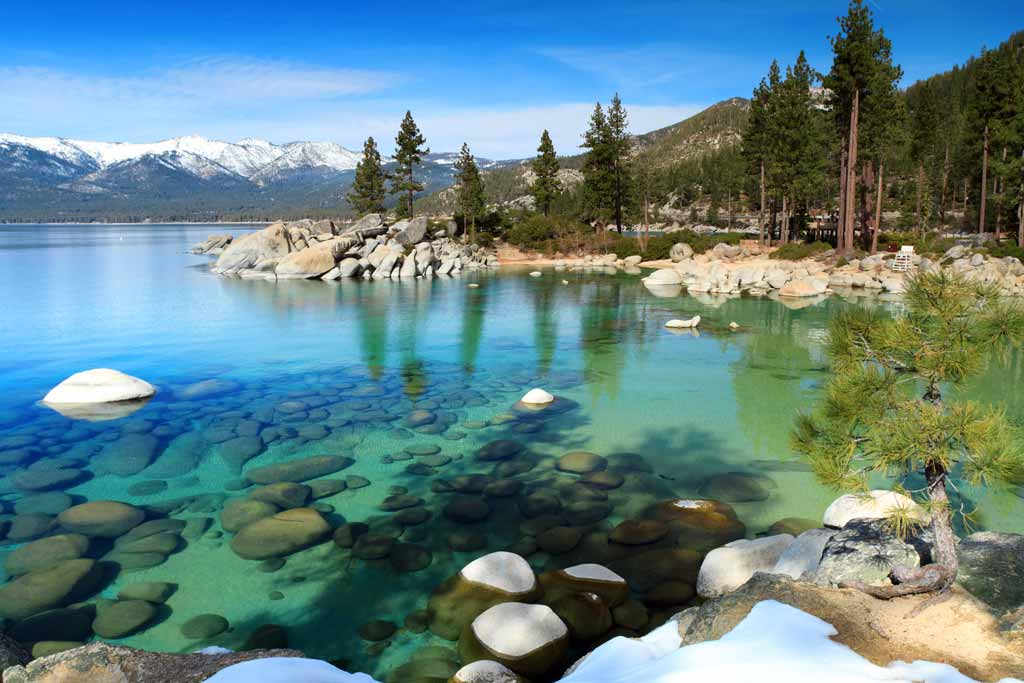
(45, 553)
(101, 518)
(302, 469)
(282, 534)
(123, 618)
(43, 589)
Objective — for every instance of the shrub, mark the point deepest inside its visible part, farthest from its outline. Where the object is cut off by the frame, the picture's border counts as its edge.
(1004, 249)
(795, 251)
(543, 233)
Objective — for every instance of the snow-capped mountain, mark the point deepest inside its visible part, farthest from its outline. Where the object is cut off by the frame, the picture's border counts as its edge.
(51, 178)
(249, 158)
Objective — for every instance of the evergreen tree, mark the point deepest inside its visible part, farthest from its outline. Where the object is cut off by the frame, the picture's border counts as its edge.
(757, 136)
(409, 152)
(861, 67)
(606, 168)
(619, 147)
(545, 170)
(994, 111)
(873, 420)
(367, 193)
(470, 190)
(598, 182)
(797, 142)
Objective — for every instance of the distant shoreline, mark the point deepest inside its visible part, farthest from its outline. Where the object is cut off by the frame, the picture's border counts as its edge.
(144, 223)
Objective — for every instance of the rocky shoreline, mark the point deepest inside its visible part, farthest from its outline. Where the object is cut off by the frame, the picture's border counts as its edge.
(731, 270)
(410, 249)
(325, 250)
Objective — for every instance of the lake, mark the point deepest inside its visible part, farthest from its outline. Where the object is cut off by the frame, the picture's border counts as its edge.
(408, 380)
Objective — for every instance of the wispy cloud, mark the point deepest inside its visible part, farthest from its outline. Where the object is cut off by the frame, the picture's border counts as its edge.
(230, 98)
(192, 91)
(652, 67)
(639, 68)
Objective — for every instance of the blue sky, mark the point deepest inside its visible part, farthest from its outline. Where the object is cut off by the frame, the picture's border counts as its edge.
(491, 73)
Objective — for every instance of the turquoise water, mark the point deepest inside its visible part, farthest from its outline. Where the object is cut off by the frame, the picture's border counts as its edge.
(319, 368)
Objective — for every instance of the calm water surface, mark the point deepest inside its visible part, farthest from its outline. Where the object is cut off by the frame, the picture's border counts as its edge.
(311, 368)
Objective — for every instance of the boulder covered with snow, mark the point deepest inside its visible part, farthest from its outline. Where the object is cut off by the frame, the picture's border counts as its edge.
(101, 385)
(536, 397)
(727, 568)
(486, 581)
(585, 578)
(878, 504)
(486, 671)
(528, 639)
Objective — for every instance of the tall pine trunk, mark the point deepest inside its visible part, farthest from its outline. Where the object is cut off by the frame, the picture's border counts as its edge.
(867, 206)
(762, 203)
(784, 225)
(999, 189)
(878, 210)
(851, 173)
(841, 224)
(945, 180)
(408, 201)
(920, 191)
(984, 184)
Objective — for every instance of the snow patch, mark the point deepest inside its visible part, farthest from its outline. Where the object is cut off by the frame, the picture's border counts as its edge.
(285, 670)
(775, 643)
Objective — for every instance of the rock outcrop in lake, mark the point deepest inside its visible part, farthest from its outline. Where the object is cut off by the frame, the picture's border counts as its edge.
(732, 269)
(367, 248)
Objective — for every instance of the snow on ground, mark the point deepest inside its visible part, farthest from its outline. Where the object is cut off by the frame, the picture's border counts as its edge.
(775, 643)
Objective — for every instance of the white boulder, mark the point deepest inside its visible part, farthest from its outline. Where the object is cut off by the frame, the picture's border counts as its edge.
(528, 639)
(485, 671)
(878, 504)
(502, 570)
(664, 276)
(688, 323)
(537, 396)
(727, 568)
(101, 385)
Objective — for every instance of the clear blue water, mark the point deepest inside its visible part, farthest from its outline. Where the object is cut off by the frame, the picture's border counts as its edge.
(335, 368)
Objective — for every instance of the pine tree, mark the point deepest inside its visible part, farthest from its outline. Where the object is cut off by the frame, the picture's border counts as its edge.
(545, 170)
(597, 167)
(470, 190)
(796, 142)
(862, 65)
(873, 422)
(757, 136)
(367, 193)
(409, 152)
(619, 147)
